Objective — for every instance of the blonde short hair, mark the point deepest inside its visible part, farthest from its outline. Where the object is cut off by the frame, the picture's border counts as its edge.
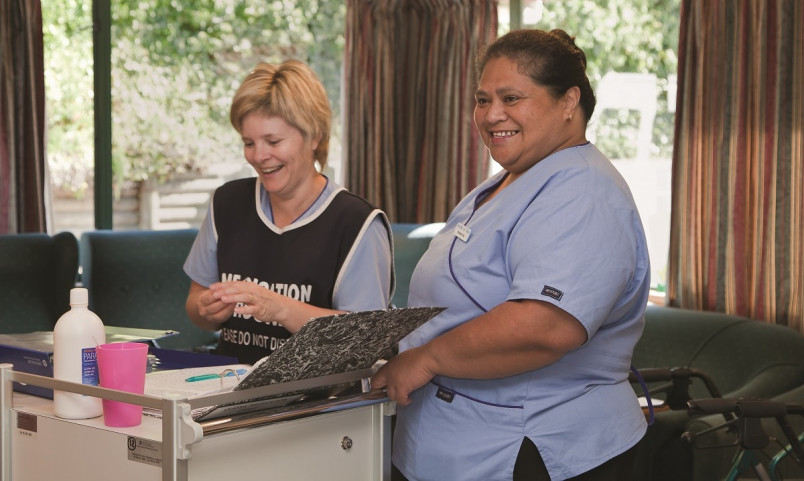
(292, 92)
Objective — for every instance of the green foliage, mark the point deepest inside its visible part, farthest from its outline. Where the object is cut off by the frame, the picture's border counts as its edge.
(175, 68)
(177, 65)
(67, 32)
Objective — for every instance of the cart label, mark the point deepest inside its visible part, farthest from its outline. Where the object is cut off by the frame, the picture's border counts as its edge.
(144, 451)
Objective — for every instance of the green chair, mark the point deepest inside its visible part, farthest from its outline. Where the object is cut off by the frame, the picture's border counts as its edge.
(136, 279)
(38, 271)
(410, 242)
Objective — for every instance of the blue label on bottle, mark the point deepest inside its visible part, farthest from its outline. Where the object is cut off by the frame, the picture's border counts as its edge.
(89, 366)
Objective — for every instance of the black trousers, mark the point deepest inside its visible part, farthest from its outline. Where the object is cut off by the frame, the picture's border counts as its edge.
(530, 467)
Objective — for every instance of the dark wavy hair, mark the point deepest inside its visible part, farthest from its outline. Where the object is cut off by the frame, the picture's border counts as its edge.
(551, 59)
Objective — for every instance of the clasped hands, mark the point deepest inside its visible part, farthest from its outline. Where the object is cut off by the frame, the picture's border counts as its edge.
(223, 299)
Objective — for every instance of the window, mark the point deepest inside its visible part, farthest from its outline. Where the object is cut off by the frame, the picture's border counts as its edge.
(175, 68)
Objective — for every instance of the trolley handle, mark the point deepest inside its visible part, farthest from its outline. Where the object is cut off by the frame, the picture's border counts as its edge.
(746, 416)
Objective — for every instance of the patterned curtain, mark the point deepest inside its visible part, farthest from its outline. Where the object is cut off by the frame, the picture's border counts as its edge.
(22, 118)
(737, 222)
(410, 145)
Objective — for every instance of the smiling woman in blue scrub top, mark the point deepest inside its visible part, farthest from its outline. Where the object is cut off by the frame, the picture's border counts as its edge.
(545, 274)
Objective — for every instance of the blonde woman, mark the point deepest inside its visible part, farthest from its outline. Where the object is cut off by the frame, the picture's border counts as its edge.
(289, 245)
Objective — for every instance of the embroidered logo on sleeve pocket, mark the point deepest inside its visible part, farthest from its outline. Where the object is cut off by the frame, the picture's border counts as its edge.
(552, 292)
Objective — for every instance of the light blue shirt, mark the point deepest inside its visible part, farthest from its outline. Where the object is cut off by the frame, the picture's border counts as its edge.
(366, 282)
(566, 232)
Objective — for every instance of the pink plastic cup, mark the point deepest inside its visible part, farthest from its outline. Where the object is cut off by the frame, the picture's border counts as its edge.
(122, 366)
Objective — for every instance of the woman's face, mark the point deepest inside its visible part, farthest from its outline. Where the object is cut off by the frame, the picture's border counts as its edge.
(278, 152)
(519, 121)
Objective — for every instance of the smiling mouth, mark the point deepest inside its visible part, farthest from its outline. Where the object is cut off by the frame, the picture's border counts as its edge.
(504, 134)
(271, 170)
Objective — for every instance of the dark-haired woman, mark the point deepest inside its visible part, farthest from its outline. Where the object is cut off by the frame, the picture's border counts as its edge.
(545, 274)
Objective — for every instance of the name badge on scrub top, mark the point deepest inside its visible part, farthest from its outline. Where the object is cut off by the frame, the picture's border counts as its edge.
(462, 232)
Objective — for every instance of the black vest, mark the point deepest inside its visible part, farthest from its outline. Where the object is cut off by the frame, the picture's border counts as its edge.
(302, 263)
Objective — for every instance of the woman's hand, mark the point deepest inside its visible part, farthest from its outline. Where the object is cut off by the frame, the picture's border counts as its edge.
(265, 305)
(205, 310)
(249, 299)
(403, 374)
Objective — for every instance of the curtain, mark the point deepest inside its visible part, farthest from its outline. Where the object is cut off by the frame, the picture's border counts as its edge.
(22, 118)
(410, 145)
(737, 219)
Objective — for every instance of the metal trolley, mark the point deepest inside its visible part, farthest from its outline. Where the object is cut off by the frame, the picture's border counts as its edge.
(344, 437)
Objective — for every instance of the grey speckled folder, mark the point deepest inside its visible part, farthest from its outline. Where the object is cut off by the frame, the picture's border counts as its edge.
(337, 344)
(324, 346)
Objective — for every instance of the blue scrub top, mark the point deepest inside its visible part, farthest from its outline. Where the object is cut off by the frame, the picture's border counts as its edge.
(566, 232)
